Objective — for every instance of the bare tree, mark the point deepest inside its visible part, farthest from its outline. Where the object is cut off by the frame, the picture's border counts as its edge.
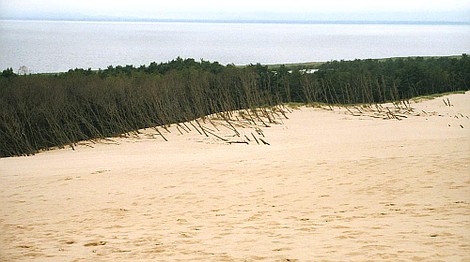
(23, 70)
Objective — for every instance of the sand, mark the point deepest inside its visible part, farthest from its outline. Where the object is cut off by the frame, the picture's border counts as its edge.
(330, 186)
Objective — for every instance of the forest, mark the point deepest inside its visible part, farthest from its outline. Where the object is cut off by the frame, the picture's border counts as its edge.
(40, 111)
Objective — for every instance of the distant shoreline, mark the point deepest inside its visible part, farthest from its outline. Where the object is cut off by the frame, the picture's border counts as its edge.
(291, 66)
(242, 21)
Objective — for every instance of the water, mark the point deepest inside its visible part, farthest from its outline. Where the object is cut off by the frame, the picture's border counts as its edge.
(45, 46)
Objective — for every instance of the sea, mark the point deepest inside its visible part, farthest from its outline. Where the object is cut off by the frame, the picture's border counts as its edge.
(57, 46)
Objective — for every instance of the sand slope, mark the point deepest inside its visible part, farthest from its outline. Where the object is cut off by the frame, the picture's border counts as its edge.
(330, 186)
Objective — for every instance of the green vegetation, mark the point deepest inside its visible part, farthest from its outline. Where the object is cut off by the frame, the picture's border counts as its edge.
(297, 66)
(7, 73)
(316, 65)
(42, 111)
(433, 96)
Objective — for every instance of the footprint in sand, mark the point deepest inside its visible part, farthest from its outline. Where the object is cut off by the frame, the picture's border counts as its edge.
(100, 171)
(281, 249)
(94, 244)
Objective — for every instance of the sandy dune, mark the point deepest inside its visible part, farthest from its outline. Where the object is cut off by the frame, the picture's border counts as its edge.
(330, 186)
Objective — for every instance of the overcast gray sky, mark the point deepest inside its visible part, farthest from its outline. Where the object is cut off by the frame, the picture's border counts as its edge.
(403, 10)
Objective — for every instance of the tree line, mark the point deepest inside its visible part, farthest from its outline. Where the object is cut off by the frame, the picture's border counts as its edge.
(46, 110)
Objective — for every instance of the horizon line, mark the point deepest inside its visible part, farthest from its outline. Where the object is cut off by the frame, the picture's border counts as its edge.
(237, 21)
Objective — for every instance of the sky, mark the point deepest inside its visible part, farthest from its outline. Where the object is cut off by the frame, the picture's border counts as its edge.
(289, 10)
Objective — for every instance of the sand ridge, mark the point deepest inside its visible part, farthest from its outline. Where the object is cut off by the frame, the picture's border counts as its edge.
(330, 186)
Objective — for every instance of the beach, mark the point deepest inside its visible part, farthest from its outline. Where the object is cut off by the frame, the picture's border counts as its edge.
(329, 184)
